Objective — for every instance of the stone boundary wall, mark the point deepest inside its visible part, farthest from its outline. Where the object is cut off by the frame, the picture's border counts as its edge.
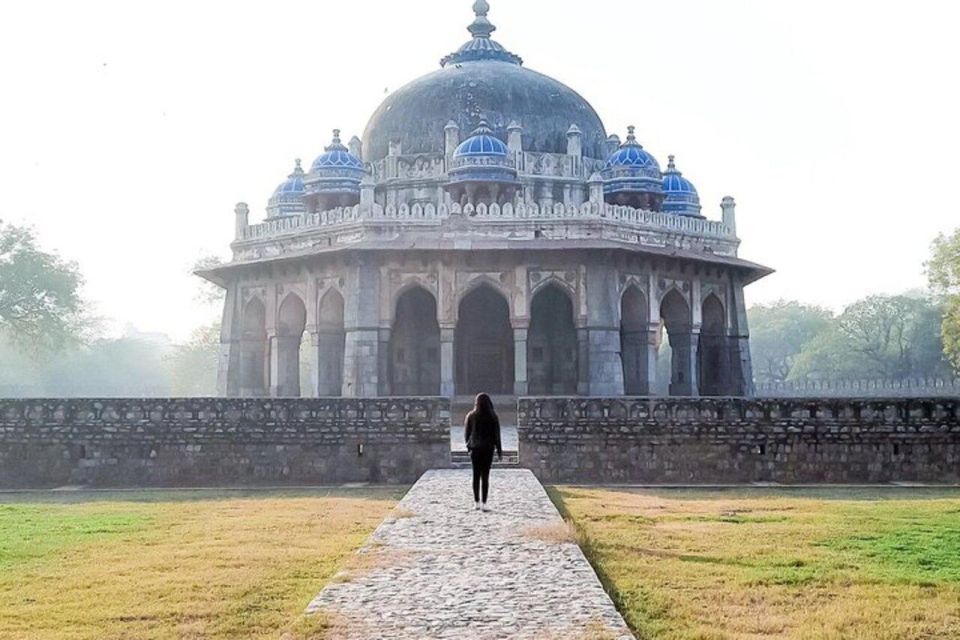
(203, 442)
(909, 388)
(721, 440)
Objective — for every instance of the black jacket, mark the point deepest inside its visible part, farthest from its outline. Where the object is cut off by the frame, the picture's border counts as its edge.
(483, 433)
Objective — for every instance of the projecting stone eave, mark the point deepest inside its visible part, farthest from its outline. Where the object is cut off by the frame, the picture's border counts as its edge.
(750, 271)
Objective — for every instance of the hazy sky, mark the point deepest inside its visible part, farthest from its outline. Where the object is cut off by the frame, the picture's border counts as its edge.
(128, 130)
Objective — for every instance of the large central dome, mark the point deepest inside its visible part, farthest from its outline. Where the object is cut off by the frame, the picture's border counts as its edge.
(482, 81)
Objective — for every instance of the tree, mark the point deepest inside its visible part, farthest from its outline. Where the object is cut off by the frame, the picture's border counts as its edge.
(40, 303)
(886, 337)
(778, 334)
(943, 270)
(192, 367)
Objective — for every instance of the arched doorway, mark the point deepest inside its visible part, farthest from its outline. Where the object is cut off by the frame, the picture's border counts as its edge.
(675, 313)
(483, 344)
(415, 346)
(291, 322)
(712, 351)
(331, 343)
(552, 344)
(635, 342)
(253, 350)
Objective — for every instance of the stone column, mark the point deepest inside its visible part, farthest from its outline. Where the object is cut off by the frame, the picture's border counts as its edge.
(520, 384)
(447, 384)
(327, 358)
(361, 366)
(685, 344)
(740, 363)
(228, 359)
(602, 373)
(285, 366)
(652, 355)
(383, 363)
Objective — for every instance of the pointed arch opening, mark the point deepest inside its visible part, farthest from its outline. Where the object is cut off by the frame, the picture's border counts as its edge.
(330, 345)
(291, 323)
(712, 352)
(552, 349)
(414, 368)
(483, 344)
(676, 318)
(635, 342)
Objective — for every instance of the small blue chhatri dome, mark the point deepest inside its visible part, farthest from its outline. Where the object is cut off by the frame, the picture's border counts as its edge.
(482, 158)
(481, 142)
(337, 156)
(630, 171)
(287, 200)
(335, 176)
(680, 196)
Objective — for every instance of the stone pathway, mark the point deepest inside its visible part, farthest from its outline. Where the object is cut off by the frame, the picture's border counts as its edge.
(439, 569)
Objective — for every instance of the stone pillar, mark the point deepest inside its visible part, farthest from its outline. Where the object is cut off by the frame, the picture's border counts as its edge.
(520, 383)
(447, 383)
(600, 339)
(285, 366)
(242, 220)
(361, 366)
(685, 344)
(356, 146)
(327, 359)
(652, 356)
(729, 208)
(739, 359)
(384, 388)
(228, 359)
(451, 138)
(596, 190)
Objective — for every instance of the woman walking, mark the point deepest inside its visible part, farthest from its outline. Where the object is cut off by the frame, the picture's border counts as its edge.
(482, 432)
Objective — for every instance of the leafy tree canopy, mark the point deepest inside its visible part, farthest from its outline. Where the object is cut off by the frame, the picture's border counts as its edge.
(943, 269)
(886, 337)
(40, 303)
(778, 334)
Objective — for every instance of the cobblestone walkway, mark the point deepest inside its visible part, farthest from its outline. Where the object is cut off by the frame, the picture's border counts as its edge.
(439, 569)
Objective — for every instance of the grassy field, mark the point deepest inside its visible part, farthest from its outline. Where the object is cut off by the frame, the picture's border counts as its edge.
(174, 564)
(877, 564)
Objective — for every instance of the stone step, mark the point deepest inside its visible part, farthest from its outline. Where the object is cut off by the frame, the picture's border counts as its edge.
(462, 459)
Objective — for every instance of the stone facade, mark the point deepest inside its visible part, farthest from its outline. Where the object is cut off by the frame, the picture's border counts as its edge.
(657, 441)
(45, 443)
(485, 235)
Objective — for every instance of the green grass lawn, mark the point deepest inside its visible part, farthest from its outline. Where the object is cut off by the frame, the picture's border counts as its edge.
(175, 564)
(870, 564)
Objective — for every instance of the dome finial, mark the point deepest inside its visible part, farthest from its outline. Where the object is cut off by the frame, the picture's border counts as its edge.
(671, 163)
(336, 136)
(481, 27)
(297, 169)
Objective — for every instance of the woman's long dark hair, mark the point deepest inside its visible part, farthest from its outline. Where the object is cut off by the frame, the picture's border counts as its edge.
(483, 406)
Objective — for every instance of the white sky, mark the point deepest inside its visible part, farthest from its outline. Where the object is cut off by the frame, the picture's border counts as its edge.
(128, 130)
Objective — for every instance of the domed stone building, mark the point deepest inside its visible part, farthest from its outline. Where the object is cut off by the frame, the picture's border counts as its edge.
(487, 234)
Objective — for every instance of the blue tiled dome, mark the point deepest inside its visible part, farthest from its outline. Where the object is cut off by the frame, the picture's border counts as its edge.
(287, 200)
(335, 173)
(680, 196)
(632, 155)
(482, 158)
(337, 156)
(481, 143)
(631, 169)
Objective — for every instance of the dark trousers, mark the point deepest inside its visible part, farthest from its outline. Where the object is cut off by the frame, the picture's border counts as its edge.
(482, 460)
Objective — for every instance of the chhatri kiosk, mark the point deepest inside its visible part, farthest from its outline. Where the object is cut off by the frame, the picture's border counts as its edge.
(486, 234)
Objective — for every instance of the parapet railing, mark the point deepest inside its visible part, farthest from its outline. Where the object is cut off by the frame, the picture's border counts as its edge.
(701, 411)
(909, 387)
(589, 211)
